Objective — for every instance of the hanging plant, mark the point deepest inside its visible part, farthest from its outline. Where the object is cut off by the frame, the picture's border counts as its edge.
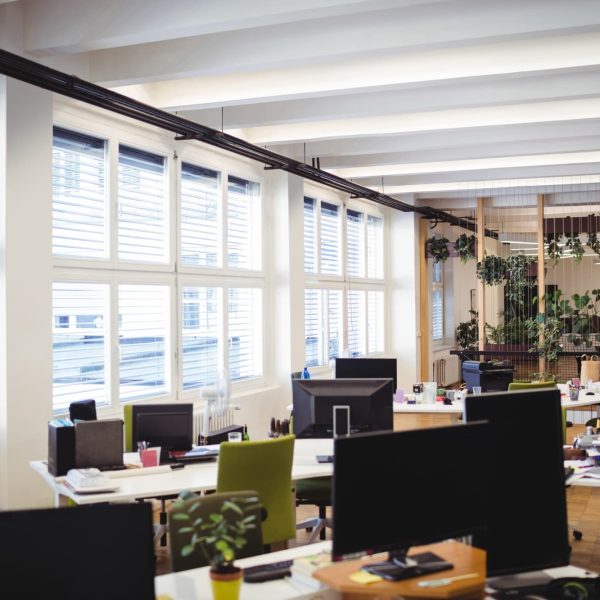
(593, 243)
(574, 244)
(492, 270)
(552, 248)
(465, 246)
(437, 248)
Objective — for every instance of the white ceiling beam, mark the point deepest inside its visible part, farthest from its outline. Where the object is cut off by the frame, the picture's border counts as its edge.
(482, 91)
(367, 74)
(71, 26)
(509, 114)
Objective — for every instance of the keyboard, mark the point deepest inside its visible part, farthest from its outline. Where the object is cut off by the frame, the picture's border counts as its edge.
(113, 467)
(268, 571)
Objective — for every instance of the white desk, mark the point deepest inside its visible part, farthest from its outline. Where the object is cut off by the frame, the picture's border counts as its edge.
(455, 409)
(195, 583)
(197, 477)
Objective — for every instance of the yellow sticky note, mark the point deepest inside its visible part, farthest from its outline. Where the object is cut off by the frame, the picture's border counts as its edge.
(364, 577)
(164, 597)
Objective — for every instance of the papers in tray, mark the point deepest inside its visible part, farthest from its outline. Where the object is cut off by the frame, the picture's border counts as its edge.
(89, 481)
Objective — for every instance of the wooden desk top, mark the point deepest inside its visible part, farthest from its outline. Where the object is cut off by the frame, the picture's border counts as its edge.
(466, 559)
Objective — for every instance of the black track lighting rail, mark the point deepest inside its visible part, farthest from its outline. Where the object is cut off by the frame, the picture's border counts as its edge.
(45, 77)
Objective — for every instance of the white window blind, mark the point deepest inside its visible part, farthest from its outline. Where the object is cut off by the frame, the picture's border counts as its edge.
(357, 339)
(355, 236)
(310, 235)
(79, 343)
(244, 230)
(375, 322)
(142, 206)
(200, 227)
(374, 247)
(79, 207)
(143, 334)
(200, 335)
(322, 325)
(330, 239)
(245, 333)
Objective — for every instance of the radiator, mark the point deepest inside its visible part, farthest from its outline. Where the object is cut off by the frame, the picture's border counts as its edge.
(445, 370)
(216, 421)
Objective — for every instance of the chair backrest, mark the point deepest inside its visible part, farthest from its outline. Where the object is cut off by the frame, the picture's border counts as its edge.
(264, 466)
(522, 385)
(183, 513)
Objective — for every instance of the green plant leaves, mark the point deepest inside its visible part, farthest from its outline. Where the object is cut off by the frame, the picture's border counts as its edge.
(492, 270)
(437, 248)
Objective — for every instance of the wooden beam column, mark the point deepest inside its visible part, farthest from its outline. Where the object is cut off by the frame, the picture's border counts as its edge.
(480, 286)
(424, 301)
(541, 274)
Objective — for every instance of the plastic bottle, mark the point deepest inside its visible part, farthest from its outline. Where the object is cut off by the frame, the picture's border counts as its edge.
(245, 436)
(305, 374)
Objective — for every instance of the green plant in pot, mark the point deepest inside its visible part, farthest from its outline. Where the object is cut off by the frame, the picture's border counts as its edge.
(467, 332)
(491, 270)
(218, 533)
(437, 248)
(465, 247)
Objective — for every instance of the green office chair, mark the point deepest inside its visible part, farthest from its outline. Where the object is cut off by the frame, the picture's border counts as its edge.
(264, 466)
(522, 385)
(191, 515)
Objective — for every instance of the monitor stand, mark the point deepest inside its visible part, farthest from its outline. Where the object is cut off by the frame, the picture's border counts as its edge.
(533, 579)
(400, 566)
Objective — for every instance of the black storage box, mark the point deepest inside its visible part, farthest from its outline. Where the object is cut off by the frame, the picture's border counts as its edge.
(61, 447)
(490, 376)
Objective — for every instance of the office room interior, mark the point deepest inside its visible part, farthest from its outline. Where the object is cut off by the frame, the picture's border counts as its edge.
(140, 267)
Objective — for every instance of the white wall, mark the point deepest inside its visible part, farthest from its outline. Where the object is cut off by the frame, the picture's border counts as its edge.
(25, 290)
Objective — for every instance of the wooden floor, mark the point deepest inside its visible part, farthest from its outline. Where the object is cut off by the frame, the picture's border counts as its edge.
(583, 513)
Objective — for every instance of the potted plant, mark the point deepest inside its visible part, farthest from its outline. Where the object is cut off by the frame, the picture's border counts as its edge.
(219, 531)
(437, 248)
(465, 247)
(491, 270)
(467, 332)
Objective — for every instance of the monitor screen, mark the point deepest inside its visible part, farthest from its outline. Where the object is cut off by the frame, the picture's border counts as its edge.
(394, 490)
(169, 426)
(370, 403)
(528, 521)
(74, 548)
(381, 368)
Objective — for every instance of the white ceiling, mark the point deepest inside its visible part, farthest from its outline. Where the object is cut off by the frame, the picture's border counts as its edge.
(437, 100)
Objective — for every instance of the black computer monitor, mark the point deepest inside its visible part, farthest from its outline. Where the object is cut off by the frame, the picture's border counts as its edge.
(370, 403)
(528, 521)
(380, 368)
(394, 490)
(94, 552)
(169, 426)
(83, 410)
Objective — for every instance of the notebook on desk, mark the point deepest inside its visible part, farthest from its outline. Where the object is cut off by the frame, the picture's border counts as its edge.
(201, 453)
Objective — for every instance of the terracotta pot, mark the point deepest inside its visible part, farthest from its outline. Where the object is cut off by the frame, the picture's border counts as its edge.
(226, 586)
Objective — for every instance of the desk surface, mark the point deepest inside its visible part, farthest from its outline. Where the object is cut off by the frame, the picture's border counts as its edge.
(195, 583)
(197, 477)
(457, 407)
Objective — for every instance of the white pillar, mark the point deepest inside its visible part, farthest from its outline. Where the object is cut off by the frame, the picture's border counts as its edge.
(404, 296)
(25, 290)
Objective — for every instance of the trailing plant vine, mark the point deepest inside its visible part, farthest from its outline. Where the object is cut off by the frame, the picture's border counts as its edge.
(467, 332)
(437, 248)
(574, 244)
(593, 243)
(465, 246)
(552, 248)
(492, 270)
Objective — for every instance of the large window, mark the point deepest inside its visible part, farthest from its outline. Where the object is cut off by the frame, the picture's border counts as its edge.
(345, 290)
(137, 311)
(437, 302)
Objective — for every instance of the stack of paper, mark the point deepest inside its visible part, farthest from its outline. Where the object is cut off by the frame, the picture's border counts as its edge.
(302, 569)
